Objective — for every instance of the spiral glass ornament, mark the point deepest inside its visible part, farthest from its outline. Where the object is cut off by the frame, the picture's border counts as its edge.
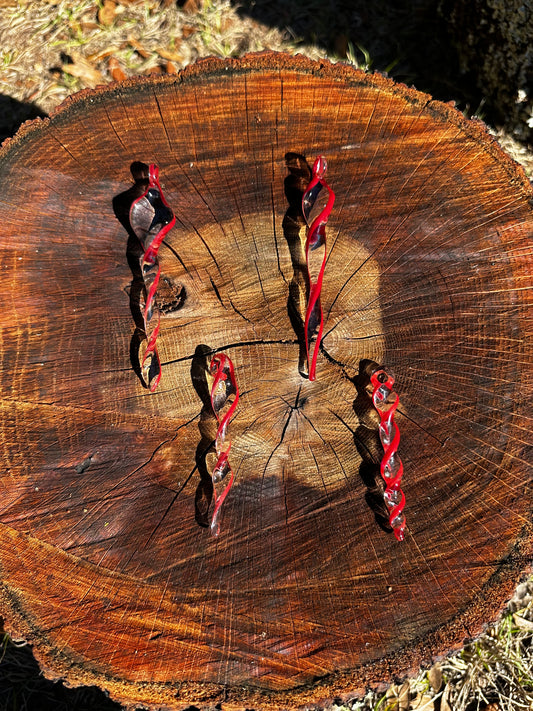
(224, 399)
(315, 256)
(151, 219)
(386, 402)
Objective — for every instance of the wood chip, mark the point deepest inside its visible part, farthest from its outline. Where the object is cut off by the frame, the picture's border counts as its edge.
(191, 6)
(89, 26)
(103, 54)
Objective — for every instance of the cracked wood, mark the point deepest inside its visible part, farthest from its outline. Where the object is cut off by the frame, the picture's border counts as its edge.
(305, 595)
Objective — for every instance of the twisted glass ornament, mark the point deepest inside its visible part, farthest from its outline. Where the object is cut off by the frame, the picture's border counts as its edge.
(386, 402)
(224, 399)
(315, 257)
(151, 219)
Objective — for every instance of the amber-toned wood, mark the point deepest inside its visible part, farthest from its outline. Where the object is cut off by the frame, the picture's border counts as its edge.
(304, 595)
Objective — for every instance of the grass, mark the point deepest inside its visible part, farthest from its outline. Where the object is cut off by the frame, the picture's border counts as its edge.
(81, 46)
(492, 673)
(76, 42)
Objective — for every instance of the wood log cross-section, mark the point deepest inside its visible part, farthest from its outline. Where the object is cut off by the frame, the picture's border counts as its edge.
(305, 595)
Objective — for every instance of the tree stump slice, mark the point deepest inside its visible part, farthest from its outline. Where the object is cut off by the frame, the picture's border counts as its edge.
(304, 595)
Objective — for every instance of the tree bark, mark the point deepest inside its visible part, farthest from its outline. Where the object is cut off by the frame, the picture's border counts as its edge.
(305, 595)
(493, 43)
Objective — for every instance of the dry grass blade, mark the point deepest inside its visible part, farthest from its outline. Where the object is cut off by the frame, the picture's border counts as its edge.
(493, 673)
(496, 668)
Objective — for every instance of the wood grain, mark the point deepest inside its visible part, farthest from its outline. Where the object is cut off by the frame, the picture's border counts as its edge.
(304, 595)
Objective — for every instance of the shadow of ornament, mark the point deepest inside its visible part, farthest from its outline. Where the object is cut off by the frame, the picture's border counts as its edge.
(303, 596)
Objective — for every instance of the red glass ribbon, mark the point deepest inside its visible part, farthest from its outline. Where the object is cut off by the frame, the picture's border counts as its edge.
(386, 402)
(224, 399)
(151, 218)
(315, 256)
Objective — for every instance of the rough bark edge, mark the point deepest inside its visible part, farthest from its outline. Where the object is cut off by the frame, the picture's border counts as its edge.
(467, 623)
(268, 60)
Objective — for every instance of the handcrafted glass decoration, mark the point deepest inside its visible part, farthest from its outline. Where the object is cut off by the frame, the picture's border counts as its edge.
(386, 402)
(224, 399)
(315, 256)
(151, 218)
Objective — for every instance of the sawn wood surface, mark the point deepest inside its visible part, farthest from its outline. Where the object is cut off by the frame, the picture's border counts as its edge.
(305, 595)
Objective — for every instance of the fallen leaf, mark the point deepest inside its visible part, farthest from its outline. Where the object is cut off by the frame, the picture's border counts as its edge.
(106, 14)
(117, 74)
(404, 696)
(167, 54)
(435, 677)
(103, 54)
(423, 702)
(84, 70)
(522, 623)
(397, 697)
(391, 698)
(444, 702)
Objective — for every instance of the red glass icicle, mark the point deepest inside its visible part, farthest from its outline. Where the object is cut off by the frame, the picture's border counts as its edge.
(224, 399)
(151, 218)
(315, 256)
(386, 402)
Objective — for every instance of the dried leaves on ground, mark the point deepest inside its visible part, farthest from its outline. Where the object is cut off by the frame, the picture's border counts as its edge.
(83, 43)
(492, 673)
(50, 49)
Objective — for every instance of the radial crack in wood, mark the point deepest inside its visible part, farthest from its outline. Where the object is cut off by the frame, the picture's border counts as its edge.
(305, 595)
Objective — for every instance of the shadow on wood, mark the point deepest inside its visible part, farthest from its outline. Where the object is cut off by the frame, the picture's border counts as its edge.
(305, 594)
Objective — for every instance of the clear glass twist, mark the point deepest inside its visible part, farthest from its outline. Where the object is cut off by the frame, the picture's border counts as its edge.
(386, 403)
(224, 399)
(151, 219)
(315, 257)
